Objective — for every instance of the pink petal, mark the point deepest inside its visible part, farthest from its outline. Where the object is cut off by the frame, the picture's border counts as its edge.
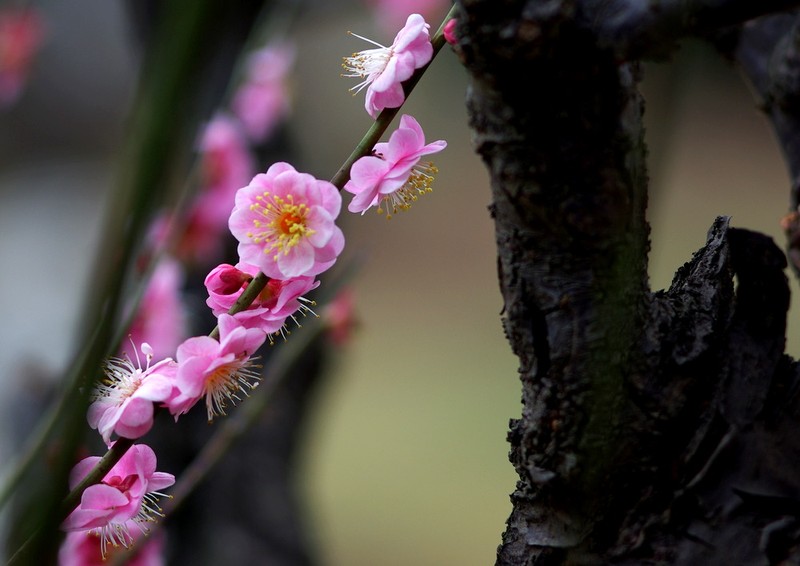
(298, 261)
(81, 470)
(196, 346)
(321, 222)
(155, 387)
(102, 496)
(137, 415)
(160, 480)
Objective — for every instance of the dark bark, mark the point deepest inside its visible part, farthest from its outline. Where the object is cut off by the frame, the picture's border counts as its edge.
(656, 427)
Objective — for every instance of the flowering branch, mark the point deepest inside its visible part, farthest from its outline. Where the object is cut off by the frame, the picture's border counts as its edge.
(259, 282)
(386, 116)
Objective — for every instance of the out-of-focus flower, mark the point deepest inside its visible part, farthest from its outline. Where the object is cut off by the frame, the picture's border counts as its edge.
(217, 370)
(393, 173)
(200, 240)
(263, 99)
(390, 14)
(226, 165)
(278, 301)
(83, 548)
(160, 319)
(339, 317)
(385, 68)
(128, 494)
(22, 32)
(284, 221)
(123, 401)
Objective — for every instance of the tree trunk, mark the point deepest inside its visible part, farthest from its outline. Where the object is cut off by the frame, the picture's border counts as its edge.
(656, 428)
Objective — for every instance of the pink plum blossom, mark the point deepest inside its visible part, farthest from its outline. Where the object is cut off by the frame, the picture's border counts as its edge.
(216, 370)
(22, 32)
(123, 401)
(83, 548)
(284, 221)
(263, 99)
(126, 496)
(160, 318)
(393, 172)
(278, 301)
(385, 68)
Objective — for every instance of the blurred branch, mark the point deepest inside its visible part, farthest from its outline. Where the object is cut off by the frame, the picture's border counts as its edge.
(161, 123)
(641, 30)
(768, 53)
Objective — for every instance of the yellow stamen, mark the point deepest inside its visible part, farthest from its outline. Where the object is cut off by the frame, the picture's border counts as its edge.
(283, 224)
(418, 183)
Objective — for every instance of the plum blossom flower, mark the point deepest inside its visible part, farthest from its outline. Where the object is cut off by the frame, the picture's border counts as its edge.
(269, 311)
(83, 548)
(123, 401)
(385, 68)
(160, 320)
(284, 221)
(217, 370)
(22, 32)
(263, 99)
(127, 496)
(393, 173)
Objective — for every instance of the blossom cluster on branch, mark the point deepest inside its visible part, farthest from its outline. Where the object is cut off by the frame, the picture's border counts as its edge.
(285, 223)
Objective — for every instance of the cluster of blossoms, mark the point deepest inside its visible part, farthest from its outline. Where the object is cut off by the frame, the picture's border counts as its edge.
(392, 174)
(285, 224)
(118, 509)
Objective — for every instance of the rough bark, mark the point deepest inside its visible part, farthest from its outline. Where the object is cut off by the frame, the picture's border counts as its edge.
(655, 427)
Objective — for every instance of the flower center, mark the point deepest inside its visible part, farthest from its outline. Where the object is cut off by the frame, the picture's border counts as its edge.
(225, 383)
(418, 183)
(121, 483)
(282, 225)
(367, 64)
(121, 382)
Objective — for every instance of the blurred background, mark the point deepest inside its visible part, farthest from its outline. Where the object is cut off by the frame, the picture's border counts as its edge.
(428, 383)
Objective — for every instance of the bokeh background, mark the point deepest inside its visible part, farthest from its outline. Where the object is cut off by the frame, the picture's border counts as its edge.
(406, 461)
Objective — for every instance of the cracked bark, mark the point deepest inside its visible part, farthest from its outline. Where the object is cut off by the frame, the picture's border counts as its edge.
(656, 428)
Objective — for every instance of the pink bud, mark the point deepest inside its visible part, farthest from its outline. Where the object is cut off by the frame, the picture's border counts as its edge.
(226, 279)
(449, 31)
